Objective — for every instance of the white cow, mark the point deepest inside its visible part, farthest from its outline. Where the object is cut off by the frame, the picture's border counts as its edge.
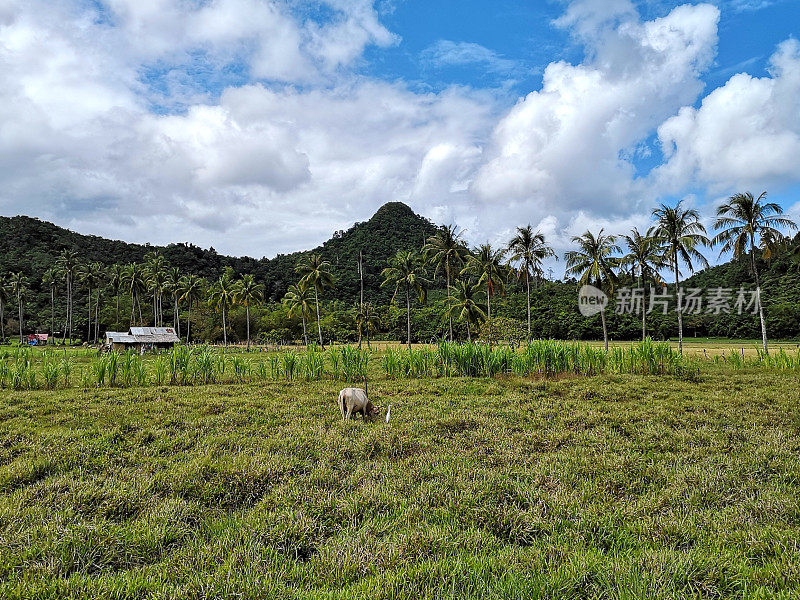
(355, 400)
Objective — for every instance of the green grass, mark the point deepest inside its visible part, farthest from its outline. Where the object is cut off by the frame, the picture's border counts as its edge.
(613, 486)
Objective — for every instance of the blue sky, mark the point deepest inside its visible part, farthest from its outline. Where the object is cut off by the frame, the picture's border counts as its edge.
(261, 126)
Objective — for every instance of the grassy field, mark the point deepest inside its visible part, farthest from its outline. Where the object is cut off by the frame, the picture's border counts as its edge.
(614, 486)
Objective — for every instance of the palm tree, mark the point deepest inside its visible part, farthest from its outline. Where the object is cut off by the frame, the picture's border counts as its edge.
(102, 276)
(463, 302)
(116, 278)
(247, 292)
(155, 272)
(681, 233)
(367, 320)
(135, 282)
(50, 281)
(486, 264)
(192, 289)
(172, 284)
(221, 296)
(743, 220)
(528, 250)
(645, 257)
(406, 269)
(18, 282)
(3, 302)
(315, 271)
(298, 300)
(594, 264)
(91, 275)
(446, 252)
(67, 264)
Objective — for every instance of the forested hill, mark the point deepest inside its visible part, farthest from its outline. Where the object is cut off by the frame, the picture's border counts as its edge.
(32, 246)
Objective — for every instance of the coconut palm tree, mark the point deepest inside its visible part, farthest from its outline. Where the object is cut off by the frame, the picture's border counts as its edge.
(446, 252)
(527, 251)
(156, 277)
(18, 287)
(67, 264)
(407, 270)
(645, 257)
(486, 265)
(172, 285)
(50, 282)
(746, 222)
(192, 289)
(462, 301)
(315, 271)
(91, 274)
(681, 234)
(116, 278)
(594, 264)
(3, 301)
(102, 281)
(248, 292)
(367, 320)
(135, 282)
(221, 296)
(298, 300)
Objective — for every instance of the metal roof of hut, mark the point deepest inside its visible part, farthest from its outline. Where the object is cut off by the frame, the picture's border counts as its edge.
(120, 337)
(155, 335)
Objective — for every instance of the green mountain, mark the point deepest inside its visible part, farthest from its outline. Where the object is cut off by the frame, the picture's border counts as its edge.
(32, 246)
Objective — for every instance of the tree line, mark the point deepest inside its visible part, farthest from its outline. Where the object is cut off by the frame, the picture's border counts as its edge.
(472, 279)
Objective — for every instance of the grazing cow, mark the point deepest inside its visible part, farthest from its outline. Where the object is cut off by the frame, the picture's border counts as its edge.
(354, 401)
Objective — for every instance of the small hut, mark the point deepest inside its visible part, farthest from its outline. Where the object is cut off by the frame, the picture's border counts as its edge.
(155, 338)
(37, 339)
(142, 339)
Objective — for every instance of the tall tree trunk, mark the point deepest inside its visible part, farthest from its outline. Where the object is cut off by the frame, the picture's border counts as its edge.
(52, 314)
(89, 328)
(133, 307)
(247, 309)
(679, 304)
(605, 329)
(469, 332)
(758, 294)
(224, 328)
(528, 291)
(408, 316)
(2, 324)
(97, 318)
(188, 321)
(644, 315)
(71, 306)
(116, 314)
(305, 335)
(176, 318)
(449, 314)
(644, 297)
(489, 311)
(19, 304)
(319, 325)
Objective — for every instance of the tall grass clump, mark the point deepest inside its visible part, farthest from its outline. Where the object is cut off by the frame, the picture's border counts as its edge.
(241, 368)
(180, 360)
(355, 362)
(290, 362)
(205, 365)
(312, 364)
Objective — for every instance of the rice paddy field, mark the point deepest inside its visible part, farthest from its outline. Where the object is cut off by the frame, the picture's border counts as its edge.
(550, 471)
